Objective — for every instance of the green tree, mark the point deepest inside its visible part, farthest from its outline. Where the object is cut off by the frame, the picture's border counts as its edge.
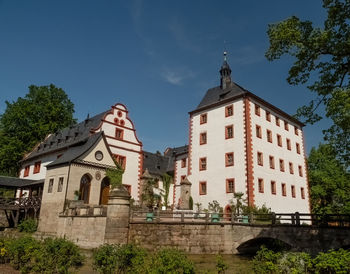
(329, 181)
(322, 60)
(26, 121)
(167, 181)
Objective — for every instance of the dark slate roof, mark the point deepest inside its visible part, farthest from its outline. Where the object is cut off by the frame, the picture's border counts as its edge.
(67, 137)
(6, 181)
(156, 163)
(77, 150)
(176, 151)
(218, 94)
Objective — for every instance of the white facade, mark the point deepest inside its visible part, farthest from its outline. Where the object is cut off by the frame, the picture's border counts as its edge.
(252, 178)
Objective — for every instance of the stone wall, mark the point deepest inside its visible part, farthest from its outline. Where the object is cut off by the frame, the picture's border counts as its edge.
(226, 238)
(86, 232)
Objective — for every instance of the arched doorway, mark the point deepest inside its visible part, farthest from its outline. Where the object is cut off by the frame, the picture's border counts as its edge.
(105, 187)
(228, 212)
(85, 184)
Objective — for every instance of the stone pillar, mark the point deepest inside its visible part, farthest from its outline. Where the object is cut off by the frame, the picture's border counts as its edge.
(185, 194)
(118, 214)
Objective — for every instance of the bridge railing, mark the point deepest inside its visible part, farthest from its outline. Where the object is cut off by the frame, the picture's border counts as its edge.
(20, 203)
(270, 219)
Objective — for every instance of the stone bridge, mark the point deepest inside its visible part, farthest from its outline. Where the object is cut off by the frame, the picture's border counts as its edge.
(236, 238)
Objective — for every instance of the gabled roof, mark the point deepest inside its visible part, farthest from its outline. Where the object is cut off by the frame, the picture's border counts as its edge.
(74, 152)
(176, 151)
(67, 137)
(156, 163)
(15, 182)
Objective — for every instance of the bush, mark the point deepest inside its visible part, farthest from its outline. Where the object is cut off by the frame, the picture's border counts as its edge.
(121, 259)
(28, 225)
(295, 262)
(221, 265)
(332, 262)
(170, 260)
(265, 261)
(51, 256)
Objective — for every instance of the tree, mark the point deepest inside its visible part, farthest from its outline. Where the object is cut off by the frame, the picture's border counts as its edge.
(329, 182)
(115, 175)
(26, 121)
(322, 54)
(167, 181)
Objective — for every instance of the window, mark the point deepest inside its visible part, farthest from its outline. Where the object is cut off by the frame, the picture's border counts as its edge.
(292, 188)
(26, 171)
(260, 159)
(258, 131)
(203, 138)
(60, 184)
(229, 111)
(272, 162)
(281, 165)
(291, 170)
(183, 163)
(203, 163)
(50, 186)
(286, 125)
(229, 132)
(203, 118)
(229, 160)
(302, 193)
(37, 167)
(268, 116)
(119, 133)
(288, 145)
(202, 188)
(296, 130)
(297, 148)
(128, 188)
(257, 110)
(121, 160)
(273, 187)
(277, 121)
(279, 140)
(230, 185)
(284, 190)
(300, 171)
(269, 135)
(261, 185)
(183, 177)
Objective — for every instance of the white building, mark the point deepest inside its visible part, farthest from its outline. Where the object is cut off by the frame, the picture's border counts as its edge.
(240, 143)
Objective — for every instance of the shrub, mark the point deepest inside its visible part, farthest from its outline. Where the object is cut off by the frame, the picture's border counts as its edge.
(57, 256)
(332, 262)
(221, 265)
(170, 260)
(120, 259)
(295, 262)
(21, 252)
(28, 225)
(51, 256)
(265, 261)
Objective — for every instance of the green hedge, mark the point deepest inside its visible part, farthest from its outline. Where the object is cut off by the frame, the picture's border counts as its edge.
(49, 256)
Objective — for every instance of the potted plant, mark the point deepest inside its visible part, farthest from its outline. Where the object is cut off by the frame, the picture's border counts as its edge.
(76, 195)
(216, 209)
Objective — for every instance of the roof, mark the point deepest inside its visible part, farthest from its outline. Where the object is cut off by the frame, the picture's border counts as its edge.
(176, 151)
(75, 151)
(217, 96)
(6, 181)
(67, 137)
(156, 163)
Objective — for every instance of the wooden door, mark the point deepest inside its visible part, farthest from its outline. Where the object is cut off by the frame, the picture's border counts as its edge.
(105, 186)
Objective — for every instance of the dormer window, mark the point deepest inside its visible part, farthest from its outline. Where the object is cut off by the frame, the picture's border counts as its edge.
(37, 167)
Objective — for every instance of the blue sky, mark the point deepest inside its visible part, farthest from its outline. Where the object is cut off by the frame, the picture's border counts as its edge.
(156, 57)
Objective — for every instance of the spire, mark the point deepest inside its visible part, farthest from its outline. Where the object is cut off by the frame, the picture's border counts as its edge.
(225, 73)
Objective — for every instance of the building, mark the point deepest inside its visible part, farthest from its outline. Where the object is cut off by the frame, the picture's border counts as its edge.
(237, 143)
(240, 143)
